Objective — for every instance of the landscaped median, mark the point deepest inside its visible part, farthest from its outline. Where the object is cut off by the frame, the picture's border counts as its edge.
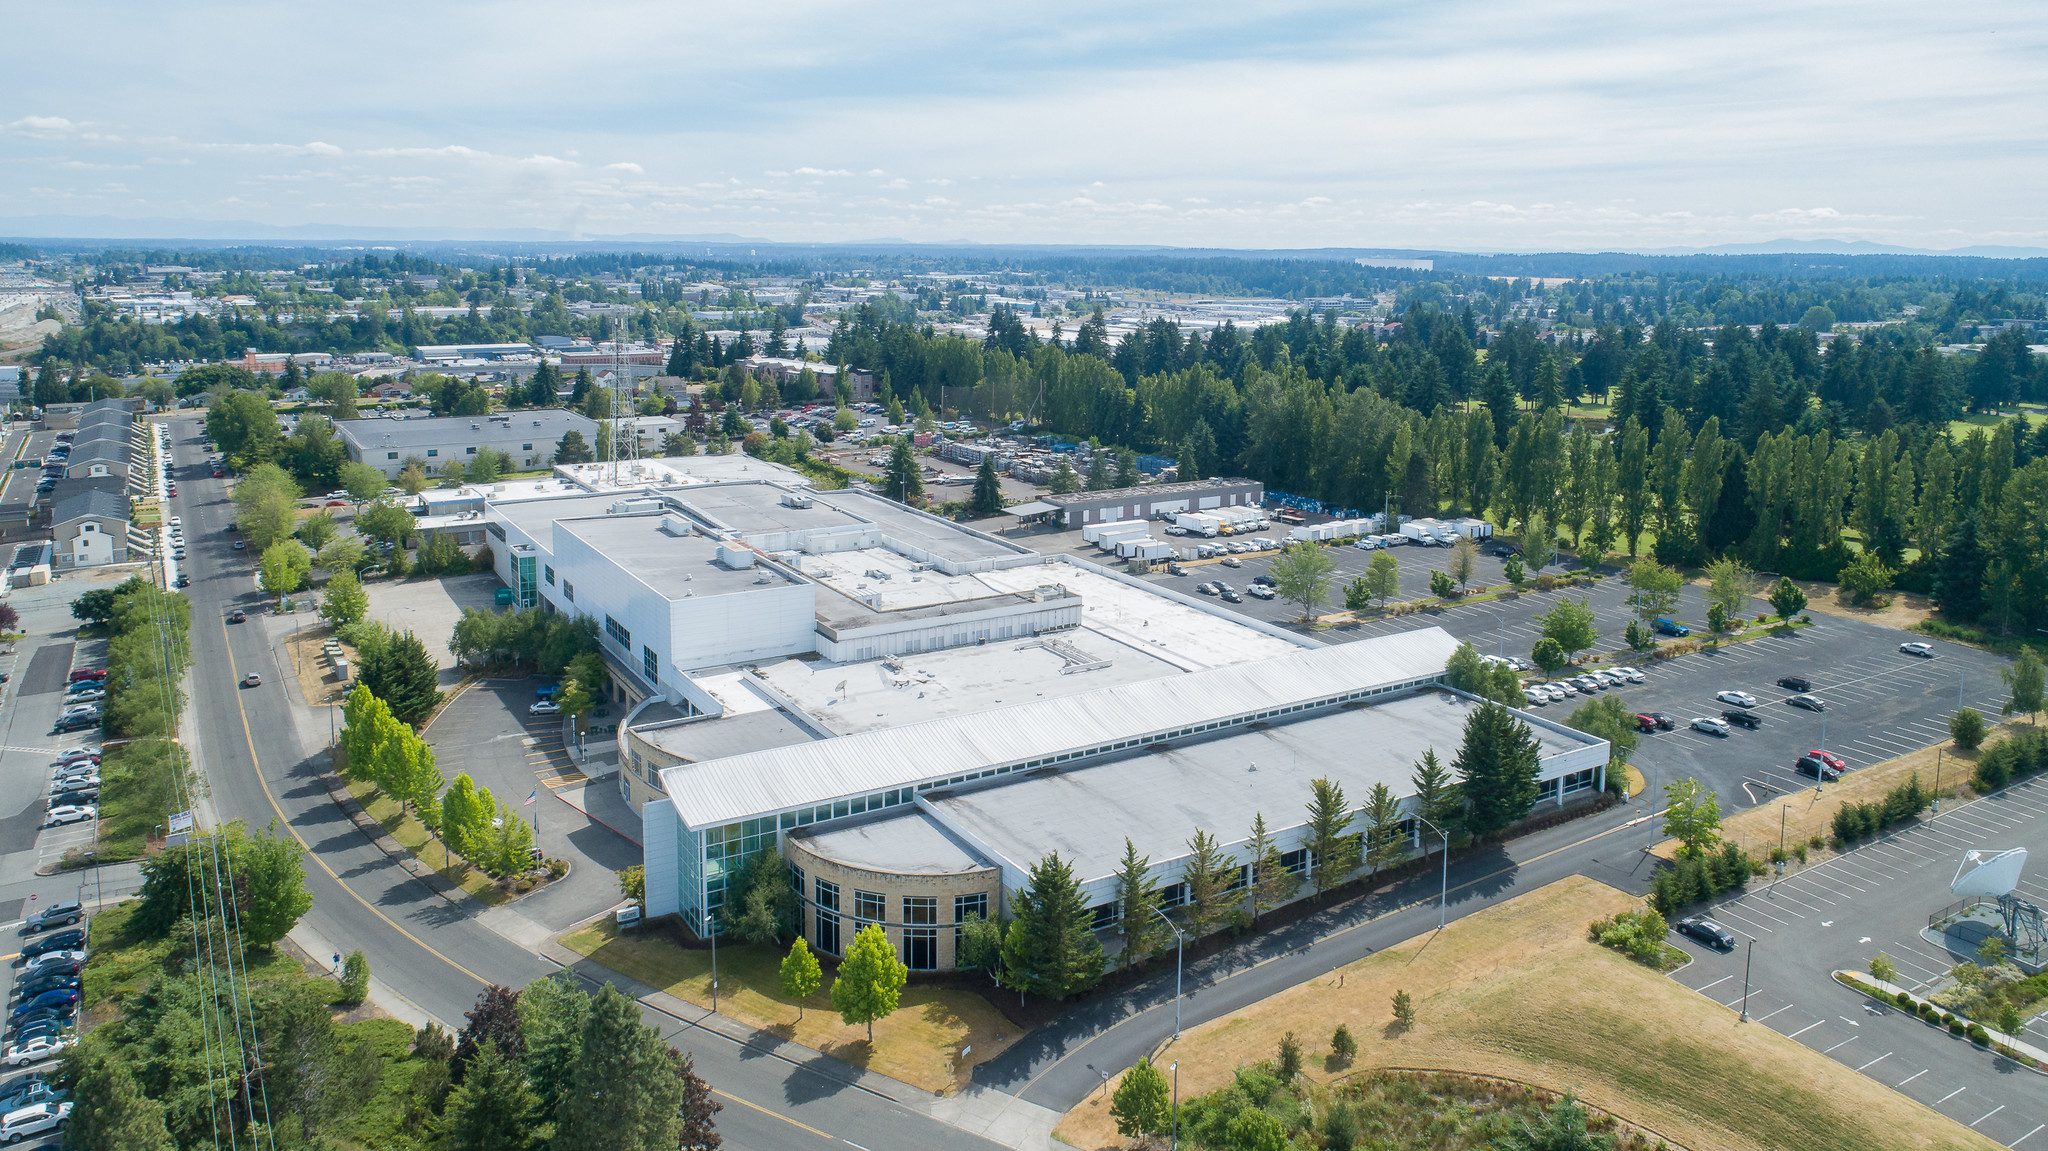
(1521, 992)
(1892, 995)
(921, 1042)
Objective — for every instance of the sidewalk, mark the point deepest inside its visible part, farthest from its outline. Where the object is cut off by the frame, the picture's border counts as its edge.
(976, 1109)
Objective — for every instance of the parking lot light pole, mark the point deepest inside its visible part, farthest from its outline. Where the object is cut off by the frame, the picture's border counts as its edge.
(1179, 949)
(1443, 907)
(1782, 809)
(1747, 957)
(1175, 1068)
(1502, 649)
(711, 929)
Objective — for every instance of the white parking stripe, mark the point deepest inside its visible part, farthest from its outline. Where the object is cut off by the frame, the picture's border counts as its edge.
(1805, 1029)
(2027, 1136)
(1787, 1007)
(1843, 1043)
(1988, 1114)
(1876, 1061)
(1950, 1095)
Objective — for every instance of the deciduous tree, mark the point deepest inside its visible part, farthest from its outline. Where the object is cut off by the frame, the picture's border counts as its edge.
(1302, 575)
(870, 979)
(800, 974)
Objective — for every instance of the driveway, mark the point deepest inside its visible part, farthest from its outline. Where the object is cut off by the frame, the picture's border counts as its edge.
(487, 733)
(1839, 914)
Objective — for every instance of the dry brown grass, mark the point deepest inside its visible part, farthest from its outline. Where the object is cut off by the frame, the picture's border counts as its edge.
(1518, 991)
(1806, 814)
(1904, 610)
(318, 684)
(919, 1044)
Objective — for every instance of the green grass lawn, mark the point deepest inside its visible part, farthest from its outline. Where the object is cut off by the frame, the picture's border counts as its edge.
(413, 835)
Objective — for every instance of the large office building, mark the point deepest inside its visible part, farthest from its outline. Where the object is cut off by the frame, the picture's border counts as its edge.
(528, 438)
(913, 712)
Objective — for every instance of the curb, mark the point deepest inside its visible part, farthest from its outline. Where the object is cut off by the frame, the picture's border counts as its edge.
(1858, 982)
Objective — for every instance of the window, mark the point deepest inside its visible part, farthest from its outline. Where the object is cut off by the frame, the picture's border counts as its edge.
(1295, 862)
(650, 664)
(619, 634)
(828, 917)
(525, 447)
(921, 948)
(390, 455)
(869, 907)
(1174, 895)
(470, 450)
(433, 452)
(920, 910)
(569, 591)
(966, 905)
(796, 880)
(1101, 916)
(1580, 780)
(550, 573)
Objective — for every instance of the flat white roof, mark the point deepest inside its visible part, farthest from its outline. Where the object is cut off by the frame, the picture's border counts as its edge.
(1187, 636)
(1077, 726)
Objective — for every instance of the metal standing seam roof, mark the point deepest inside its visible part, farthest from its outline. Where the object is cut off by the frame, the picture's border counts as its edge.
(740, 787)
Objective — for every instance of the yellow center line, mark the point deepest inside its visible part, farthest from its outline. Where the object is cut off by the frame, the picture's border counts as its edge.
(249, 738)
(773, 1114)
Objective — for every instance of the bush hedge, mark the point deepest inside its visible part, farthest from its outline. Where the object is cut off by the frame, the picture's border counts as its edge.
(2018, 757)
(147, 775)
(1854, 821)
(1691, 879)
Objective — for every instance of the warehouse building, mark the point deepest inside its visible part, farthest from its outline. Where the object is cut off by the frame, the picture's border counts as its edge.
(1151, 500)
(529, 438)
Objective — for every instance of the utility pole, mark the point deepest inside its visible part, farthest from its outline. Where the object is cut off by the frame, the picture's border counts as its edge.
(1746, 959)
(1444, 907)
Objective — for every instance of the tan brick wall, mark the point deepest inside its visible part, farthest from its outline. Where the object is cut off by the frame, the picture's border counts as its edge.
(893, 887)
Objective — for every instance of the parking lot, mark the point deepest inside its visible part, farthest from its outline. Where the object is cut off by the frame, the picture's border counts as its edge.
(1881, 703)
(1837, 915)
(488, 733)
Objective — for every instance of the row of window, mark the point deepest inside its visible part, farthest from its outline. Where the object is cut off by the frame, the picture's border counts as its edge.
(1577, 781)
(431, 452)
(919, 926)
(618, 632)
(845, 807)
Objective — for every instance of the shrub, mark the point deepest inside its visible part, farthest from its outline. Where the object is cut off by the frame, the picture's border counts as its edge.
(1967, 728)
(1799, 851)
(1816, 843)
(1904, 1000)
(1404, 1010)
(1693, 878)
(355, 980)
(1955, 1026)
(1638, 934)
(1978, 1035)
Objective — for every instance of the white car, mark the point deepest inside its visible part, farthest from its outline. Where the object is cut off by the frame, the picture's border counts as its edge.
(1260, 591)
(1710, 725)
(1535, 698)
(1738, 698)
(544, 707)
(50, 959)
(35, 1051)
(33, 1120)
(71, 813)
(1923, 650)
(177, 521)
(1628, 674)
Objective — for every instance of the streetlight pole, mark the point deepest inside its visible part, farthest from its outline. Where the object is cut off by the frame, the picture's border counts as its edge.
(1782, 809)
(1501, 649)
(1179, 949)
(711, 929)
(1443, 908)
(1175, 1068)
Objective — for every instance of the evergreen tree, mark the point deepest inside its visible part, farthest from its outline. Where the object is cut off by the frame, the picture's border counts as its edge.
(404, 676)
(1436, 797)
(1137, 902)
(1959, 573)
(572, 448)
(552, 1012)
(110, 1112)
(1384, 845)
(1271, 883)
(1127, 469)
(1207, 874)
(1496, 766)
(1050, 948)
(903, 482)
(1064, 482)
(622, 1094)
(1333, 852)
(492, 1109)
(1098, 471)
(1633, 473)
(988, 490)
(870, 979)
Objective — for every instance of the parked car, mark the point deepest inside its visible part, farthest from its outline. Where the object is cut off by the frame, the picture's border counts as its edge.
(239, 545)
(1628, 674)
(1829, 758)
(1738, 698)
(1710, 725)
(1826, 773)
(1748, 719)
(1501, 548)
(1206, 588)
(1652, 721)
(1669, 627)
(1795, 683)
(1230, 596)
(1809, 702)
(544, 707)
(58, 941)
(55, 915)
(1261, 591)
(1708, 932)
(70, 723)
(52, 960)
(70, 813)
(29, 989)
(1232, 562)
(89, 695)
(32, 1091)
(1262, 581)
(88, 673)
(1923, 650)
(34, 1119)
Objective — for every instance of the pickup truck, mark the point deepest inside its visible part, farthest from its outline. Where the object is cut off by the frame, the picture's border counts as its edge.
(1669, 627)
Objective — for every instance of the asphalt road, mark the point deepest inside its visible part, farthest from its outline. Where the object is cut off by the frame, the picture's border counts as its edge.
(1840, 913)
(431, 953)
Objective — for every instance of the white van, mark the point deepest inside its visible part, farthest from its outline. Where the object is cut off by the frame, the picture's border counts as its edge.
(33, 1120)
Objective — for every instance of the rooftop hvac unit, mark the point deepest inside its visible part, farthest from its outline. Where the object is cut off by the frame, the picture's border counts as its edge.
(795, 500)
(674, 526)
(735, 556)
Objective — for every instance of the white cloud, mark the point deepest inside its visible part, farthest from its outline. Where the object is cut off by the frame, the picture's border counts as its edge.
(625, 166)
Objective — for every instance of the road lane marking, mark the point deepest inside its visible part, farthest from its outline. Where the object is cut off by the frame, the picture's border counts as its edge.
(2027, 1136)
(1805, 1029)
(1910, 1078)
(773, 1114)
(1780, 1010)
(1989, 1114)
(1843, 1043)
(1876, 1061)
(1950, 1095)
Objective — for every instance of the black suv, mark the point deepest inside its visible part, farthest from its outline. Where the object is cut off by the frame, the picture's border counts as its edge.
(1748, 719)
(1501, 548)
(1795, 683)
(1808, 765)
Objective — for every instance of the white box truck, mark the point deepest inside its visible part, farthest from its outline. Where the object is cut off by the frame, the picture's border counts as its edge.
(1108, 540)
(1198, 524)
(1092, 533)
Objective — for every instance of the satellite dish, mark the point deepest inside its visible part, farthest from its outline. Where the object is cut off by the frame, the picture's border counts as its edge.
(1989, 874)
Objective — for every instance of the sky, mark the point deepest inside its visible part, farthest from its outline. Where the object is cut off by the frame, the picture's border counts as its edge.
(1460, 124)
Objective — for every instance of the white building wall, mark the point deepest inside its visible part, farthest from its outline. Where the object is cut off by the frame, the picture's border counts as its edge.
(779, 619)
(664, 866)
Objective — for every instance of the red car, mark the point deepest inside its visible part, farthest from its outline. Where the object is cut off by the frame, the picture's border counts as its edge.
(1830, 758)
(88, 673)
(1653, 721)
(337, 503)
(216, 473)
